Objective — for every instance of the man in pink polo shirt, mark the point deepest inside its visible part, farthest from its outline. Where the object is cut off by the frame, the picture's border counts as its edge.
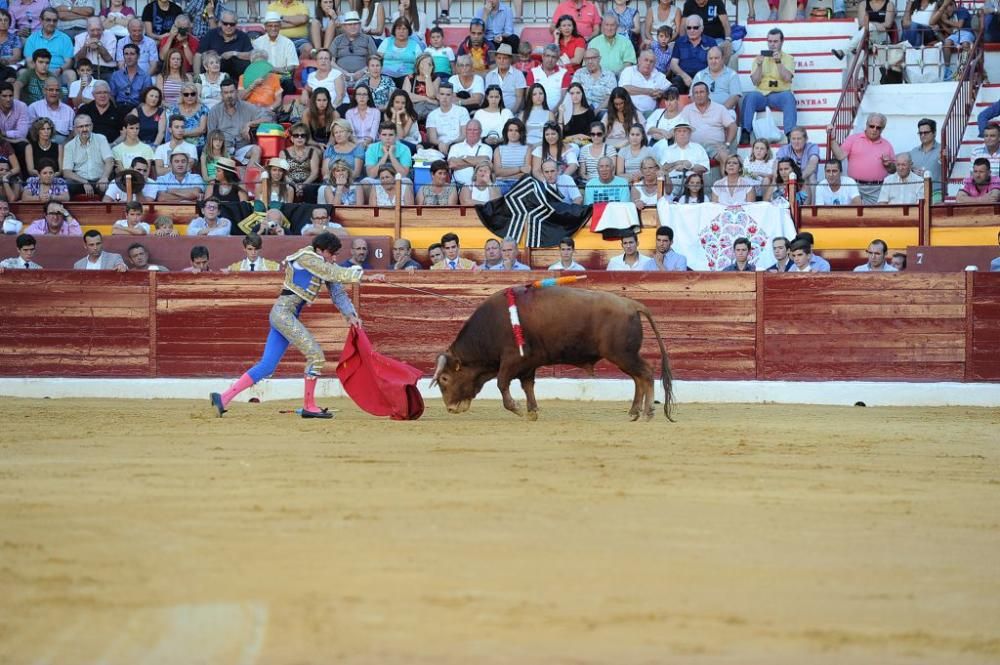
(871, 157)
(586, 14)
(980, 186)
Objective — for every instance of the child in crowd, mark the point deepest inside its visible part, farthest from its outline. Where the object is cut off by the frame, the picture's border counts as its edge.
(759, 166)
(81, 90)
(444, 56)
(132, 224)
(524, 61)
(164, 227)
(215, 147)
(663, 48)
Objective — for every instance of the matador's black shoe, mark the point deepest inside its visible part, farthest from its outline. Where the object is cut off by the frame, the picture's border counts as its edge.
(216, 400)
(322, 413)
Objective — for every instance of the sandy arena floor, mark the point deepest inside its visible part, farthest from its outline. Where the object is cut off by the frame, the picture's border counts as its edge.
(148, 533)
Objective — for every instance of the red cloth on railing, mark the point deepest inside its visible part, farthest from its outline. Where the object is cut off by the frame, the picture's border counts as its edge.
(380, 385)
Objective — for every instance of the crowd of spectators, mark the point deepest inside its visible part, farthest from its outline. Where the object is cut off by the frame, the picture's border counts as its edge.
(616, 104)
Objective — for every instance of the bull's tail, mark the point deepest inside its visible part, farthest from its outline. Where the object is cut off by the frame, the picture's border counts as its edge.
(666, 377)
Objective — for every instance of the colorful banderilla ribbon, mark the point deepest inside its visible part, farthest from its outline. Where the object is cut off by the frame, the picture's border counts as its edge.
(555, 281)
(515, 319)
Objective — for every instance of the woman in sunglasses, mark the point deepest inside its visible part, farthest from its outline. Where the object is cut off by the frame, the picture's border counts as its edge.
(591, 154)
(303, 163)
(195, 115)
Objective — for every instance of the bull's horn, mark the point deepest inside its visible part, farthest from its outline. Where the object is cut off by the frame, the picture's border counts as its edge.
(442, 360)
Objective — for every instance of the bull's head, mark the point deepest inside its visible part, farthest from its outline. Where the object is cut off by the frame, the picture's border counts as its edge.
(458, 386)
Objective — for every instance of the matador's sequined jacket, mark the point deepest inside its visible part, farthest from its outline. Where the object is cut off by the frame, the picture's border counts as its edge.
(306, 272)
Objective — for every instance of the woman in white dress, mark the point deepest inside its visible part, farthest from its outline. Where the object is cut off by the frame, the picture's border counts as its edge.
(326, 76)
(536, 113)
(733, 189)
(646, 192)
(482, 188)
(372, 17)
(383, 193)
(210, 81)
(493, 116)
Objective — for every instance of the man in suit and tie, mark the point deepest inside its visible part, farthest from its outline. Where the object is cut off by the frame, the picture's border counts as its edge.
(254, 262)
(452, 260)
(25, 252)
(97, 258)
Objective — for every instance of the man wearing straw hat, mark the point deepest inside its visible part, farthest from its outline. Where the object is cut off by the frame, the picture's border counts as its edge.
(281, 52)
(352, 47)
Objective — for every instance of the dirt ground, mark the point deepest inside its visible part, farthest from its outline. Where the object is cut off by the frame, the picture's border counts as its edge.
(149, 532)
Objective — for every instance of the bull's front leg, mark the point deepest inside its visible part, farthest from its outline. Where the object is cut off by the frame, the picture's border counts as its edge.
(503, 383)
(528, 385)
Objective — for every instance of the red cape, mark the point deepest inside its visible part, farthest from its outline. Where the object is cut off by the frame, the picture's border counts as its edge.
(379, 385)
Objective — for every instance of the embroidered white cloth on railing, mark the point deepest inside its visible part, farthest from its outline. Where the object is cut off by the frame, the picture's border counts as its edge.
(704, 232)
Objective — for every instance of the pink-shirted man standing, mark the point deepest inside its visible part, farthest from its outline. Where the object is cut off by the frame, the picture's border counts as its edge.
(871, 157)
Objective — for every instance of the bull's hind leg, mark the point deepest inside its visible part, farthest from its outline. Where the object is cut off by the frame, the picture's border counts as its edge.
(528, 385)
(642, 375)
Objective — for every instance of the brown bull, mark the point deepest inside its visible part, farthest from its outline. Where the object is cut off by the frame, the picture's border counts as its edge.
(561, 326)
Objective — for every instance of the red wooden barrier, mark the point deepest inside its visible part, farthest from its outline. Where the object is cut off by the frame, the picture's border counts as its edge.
(914, 327)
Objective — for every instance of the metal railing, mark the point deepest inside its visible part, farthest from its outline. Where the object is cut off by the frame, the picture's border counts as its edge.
(850, 100)
(957, 118)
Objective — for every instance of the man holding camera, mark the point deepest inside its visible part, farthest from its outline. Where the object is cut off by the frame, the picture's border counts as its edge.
(180, 38)
(772, 73)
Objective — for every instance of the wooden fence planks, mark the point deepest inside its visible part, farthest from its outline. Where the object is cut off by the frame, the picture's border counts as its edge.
(58, 323)
(907, 327)
(892, 326)
(983, 360)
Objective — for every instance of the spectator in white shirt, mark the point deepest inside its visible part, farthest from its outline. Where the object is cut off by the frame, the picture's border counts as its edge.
(446, 124)
(463, 157)
(567, 246)
(837, 189)
(631, 259)
(644, 82)
(904, 187)
(681, 158)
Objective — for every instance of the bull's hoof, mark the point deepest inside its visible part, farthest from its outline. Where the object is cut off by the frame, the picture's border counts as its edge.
(633, 416)
(514, 408)
(532, 416)
(648, 416)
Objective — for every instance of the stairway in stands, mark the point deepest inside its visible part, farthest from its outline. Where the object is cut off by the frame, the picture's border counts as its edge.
(818, 81)
(988, 94)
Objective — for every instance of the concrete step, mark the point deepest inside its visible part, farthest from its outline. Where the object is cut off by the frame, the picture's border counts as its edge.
(818, 98)
(801, 30)
(805, 81)
(988, 93)
(804, 62)
(795, 46)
